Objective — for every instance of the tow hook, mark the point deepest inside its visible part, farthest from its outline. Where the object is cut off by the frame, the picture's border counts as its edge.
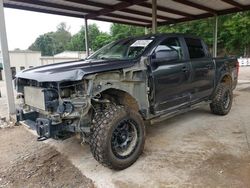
(41, 138)
(43, 128)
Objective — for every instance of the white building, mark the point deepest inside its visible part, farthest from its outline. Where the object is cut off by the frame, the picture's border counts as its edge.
(63, 57)
(244, 61)
(24, 59)
(20, 60)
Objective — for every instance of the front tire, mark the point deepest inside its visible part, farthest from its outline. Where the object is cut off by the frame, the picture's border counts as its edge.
(222, 100)
(118, 137)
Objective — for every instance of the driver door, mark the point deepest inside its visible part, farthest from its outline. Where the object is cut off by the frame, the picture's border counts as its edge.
(171, 75)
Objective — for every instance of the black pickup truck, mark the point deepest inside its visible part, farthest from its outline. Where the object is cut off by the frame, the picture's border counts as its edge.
(108, 97)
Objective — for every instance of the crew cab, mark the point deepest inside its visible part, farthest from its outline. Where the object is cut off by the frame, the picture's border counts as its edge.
(108, 97)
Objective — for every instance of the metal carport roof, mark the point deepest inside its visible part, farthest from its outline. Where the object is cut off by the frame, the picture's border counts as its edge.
(133, 12)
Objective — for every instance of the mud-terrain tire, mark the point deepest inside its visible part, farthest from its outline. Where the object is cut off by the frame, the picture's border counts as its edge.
(222, 99)
(118, 137)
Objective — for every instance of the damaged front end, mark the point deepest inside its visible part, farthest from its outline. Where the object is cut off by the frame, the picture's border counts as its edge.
(55, 109)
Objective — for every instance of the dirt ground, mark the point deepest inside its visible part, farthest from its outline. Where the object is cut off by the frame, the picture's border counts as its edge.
(24, 162)
(195, 149)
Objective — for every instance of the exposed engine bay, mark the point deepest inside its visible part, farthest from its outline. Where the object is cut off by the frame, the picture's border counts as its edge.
(66, 105)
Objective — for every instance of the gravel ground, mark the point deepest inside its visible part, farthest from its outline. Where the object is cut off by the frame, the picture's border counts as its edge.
(195, 149)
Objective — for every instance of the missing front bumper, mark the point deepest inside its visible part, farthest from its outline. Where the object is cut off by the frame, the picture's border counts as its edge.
(44, 127)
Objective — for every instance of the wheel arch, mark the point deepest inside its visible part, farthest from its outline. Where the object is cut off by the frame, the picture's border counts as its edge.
(226, 78)
(122, 97)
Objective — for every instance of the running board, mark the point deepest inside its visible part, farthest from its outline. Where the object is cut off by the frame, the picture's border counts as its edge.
(164, 116)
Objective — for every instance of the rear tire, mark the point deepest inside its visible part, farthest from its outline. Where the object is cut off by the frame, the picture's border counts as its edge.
(118, 137)
(222, 100)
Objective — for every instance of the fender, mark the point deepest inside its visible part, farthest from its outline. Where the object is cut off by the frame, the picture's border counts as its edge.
(225, 75)
(133, 82)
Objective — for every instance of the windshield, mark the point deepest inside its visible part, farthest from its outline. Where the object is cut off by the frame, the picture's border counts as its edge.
(122, 49)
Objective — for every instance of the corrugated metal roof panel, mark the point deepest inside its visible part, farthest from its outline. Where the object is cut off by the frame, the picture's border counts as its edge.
(214, 4)
(133, 12)
(122, 20)
(178, 6)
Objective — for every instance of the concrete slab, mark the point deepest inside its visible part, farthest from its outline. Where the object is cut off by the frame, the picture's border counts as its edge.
(194, 149)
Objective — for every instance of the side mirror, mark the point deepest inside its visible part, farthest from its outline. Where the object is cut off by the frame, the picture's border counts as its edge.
(166, 55)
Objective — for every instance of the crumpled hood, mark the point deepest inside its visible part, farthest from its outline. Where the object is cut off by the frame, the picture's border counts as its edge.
(72, 71)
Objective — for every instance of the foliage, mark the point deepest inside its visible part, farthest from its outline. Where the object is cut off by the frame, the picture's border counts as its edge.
(61, 37)
(233, 32)
(43, 43)
(96, 39)
(233, 35)
(101, 40)
(119, 31)
(53, 42)
(201, 28)
(77, 42)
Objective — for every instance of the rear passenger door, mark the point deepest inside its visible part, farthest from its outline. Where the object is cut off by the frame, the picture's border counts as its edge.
(203, 69)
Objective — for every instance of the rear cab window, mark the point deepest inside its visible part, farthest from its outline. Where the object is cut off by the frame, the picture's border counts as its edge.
(195, 48)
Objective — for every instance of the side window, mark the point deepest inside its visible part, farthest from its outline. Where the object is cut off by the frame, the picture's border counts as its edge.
(170, 44)
(195, 48)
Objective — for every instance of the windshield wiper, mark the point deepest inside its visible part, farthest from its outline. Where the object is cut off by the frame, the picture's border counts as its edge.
(109, 58)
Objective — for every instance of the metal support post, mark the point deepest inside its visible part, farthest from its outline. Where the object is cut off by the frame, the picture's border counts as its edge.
(215, 36)
(86, 37)
(145, 30)
(6, 63)
(154, 16)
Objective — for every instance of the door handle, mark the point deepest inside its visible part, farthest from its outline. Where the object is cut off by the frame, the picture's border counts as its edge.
(184, 69)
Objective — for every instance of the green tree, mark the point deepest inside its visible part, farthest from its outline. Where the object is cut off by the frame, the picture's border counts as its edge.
(119, 31)
(77, 42)
(44, 43)
(53, 42)
(101, 40)
(202, 28)
(235, 34)
(61, 38)
(93, 33)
